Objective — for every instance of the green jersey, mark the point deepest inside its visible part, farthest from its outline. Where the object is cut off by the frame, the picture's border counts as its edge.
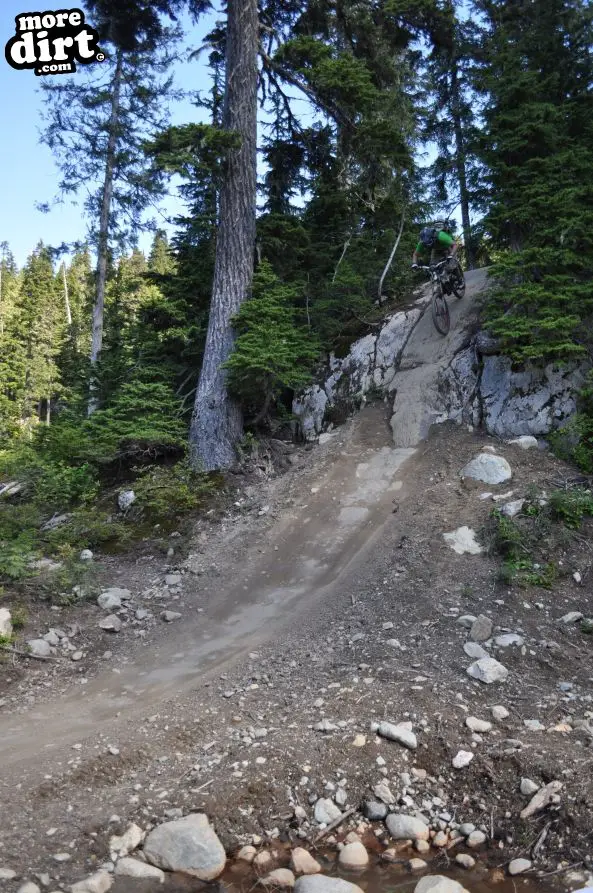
(443, 243)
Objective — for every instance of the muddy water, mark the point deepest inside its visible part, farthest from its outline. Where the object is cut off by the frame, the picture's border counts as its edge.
(380, 878)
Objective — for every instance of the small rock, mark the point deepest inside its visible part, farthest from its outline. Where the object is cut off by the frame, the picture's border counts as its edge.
(509, 639)
(128, 841)
(325, 726)
(39, 647)
(341, 797)
(374, 811)
(534, 725)
(7, 874)
(465, 860)
(417, 865)
(488, 469)
(542, 799)
(440, 839)
(422, 846)
(111, 599)
(173, 579)
(29, 887)
(52, 638)
(524, 442)
(466, 620)
(62, 857)
(303, 862)
(406, 827)
(463, 540)
(135, 868)
(438, 884)
(76, 656)
(5, 623)
(86, 555)
(359, 741)
(326, 811)
(518, 866)
(478, 725)
(382, 793)
(475, 651)
(246, 854)
(528, 787)
(125, 499)
(466, 829)
(170, 616)
(99, 882)
(571, 617)
(499, 713)
(394, 732)
(462, 759)
(279, 879)
(320, 883)
(512, 509)
(481, 629)
(488, 670)
(111, 624)
(577, 577)
(354, 856)
(476, 839)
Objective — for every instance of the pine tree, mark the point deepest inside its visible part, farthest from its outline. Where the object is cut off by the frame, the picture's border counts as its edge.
(97, 126)
(536, 72)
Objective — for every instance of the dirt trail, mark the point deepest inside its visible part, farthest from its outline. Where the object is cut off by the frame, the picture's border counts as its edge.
(308, 552)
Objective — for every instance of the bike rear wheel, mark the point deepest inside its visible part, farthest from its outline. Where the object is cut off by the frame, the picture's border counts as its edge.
(459, 284)
(440, 309)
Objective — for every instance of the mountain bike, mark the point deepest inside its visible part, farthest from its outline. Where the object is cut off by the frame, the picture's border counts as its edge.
(444, 282)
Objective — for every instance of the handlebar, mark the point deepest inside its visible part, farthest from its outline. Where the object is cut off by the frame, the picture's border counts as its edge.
(429, 269)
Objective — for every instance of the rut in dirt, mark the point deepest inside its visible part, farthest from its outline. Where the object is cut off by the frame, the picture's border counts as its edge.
(310, 549)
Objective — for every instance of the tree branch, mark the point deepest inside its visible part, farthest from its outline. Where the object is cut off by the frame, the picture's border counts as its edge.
(391, 256)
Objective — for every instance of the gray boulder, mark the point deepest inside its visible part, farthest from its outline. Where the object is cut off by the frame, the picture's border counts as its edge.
(319, 883)
(187, 845)
(488, 468)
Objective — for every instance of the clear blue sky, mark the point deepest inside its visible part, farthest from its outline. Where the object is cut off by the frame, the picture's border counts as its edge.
(27, 170)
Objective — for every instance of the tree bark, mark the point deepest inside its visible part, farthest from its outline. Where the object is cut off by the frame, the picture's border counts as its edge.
(104, 220)
(391, 256)
(460, 164)
(217, 423)
(66, 297)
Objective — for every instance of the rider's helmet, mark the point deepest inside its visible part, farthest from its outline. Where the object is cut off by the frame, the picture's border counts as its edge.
(428, 236)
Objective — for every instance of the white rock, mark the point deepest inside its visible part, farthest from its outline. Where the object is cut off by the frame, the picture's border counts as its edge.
(99, 882)
(246, 854)
(481, 629)
(571, 617)
(5, 623)
(509, 639)
(111, 624)
(279, 879)
(488, 670)
(534, 725)
(478, 725)
(302, 862)
(518, 866)
(577, 577)
(488, 469)
(170, 616)
(7, 874)
(320, 883)
(86, 555)
(417, 865)
(39, 647)
(475, 651)
(354, 856)
(173, 579)
(476, 839)
(52, 638)
(110, 600)
(525, 442)
(128, 867)
(512, 509)
(499, 713)
(541, 799)
(383, 793)
(128, 841)
(188, 845)
(462, 759)
(326, 811)
(465, 860)
(463, 540)
(435, 883)
(28, 887)
(125, 499)
(466, 620)
(406, 827)
(396, 732)
(528, 787)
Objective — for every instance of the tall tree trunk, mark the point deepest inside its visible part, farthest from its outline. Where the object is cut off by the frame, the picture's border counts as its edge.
(103, 246)
(66, 297)
(217, 423)
(460, 164)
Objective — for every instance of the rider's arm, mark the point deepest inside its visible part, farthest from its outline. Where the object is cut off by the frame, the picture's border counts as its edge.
(417, 251)
(446, 241)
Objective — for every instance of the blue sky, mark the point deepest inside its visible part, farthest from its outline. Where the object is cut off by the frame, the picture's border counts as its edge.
(27, 170)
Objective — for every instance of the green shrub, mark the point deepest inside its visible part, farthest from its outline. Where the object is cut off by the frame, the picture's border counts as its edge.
(571, 506)
(165, 492)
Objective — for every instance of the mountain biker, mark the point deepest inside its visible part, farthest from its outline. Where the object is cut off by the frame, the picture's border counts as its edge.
(440, 244)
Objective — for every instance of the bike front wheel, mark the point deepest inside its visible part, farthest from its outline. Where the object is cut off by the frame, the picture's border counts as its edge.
(440, 310)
